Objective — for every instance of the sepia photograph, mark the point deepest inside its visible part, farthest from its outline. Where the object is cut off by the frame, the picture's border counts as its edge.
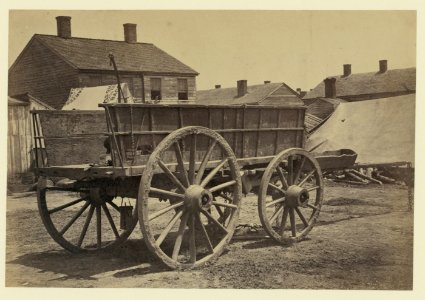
(211, 149)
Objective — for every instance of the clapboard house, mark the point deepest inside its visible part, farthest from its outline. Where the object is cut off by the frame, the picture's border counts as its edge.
(264, 94)
(382, 83)
(50, 65)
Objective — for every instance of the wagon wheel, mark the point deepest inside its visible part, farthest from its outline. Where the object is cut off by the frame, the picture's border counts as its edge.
(67, 214)
(290, 195)
(190, 228)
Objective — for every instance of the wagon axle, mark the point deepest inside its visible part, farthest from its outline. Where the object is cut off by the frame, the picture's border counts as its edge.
(296, 196)
(197, 197)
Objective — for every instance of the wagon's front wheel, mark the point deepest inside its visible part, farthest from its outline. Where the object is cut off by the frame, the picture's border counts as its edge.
(290, 195)
(185, 219)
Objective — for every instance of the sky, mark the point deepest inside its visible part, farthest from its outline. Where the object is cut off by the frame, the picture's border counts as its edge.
(299, 48)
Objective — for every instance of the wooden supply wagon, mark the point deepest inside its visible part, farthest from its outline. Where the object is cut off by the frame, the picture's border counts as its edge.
(180, 171)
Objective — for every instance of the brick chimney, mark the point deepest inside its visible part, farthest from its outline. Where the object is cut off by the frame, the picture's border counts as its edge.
(347, 70)
(266, 81)
(298, 91)
(64, 26)
(330, 87)
(130, 33)
(217, 86)
(242, 87)
(383, 66)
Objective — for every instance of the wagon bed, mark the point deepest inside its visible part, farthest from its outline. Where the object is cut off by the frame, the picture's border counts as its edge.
(196, 161)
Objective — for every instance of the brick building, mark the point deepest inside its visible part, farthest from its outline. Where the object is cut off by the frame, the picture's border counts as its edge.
(50, 65)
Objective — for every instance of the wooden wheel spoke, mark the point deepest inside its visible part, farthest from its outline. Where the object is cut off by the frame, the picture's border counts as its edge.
(99, 226)
(192, 239)
(290, 170)
(180, 162)
(292, 220)
(307, 177)
(313, 188)
(166, 193)
(56, 209)
(86, 226)
(224, 196)
(211, 218)
(282, 178)
(284, 219)
(76, 216)
(113, 205)
(280, 200)
(170, 175)
(213, 172)
(233, 206)
(192, 159)
(180, 234)
(222, 186)
(220, 212)
(312, 206)
(204, 162)
(111, 221)
(168, 228)
(301, 216)
(165, 210)
(277, 188)
(205, 233)
(275, 214)
(300, 167)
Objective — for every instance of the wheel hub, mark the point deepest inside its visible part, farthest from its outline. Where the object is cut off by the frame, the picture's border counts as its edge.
(296, 196)
(196, 197)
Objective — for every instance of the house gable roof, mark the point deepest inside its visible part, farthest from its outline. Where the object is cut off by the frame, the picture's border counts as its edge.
(25, 99)
(92, 54)
(256, 94)
(397, 80)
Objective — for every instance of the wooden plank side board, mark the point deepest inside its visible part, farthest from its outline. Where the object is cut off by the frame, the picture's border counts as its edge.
(76, 137)
(249, 130)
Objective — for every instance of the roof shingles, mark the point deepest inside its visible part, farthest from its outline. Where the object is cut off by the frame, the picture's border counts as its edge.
(92, 54)
(256, 94)
(397, 80)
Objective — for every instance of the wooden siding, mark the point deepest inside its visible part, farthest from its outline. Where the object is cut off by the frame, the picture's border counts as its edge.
(43, 74)
(20, 139)
(169, 86)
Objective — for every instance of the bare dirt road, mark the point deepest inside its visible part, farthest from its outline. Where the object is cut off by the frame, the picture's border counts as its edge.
(363, 240)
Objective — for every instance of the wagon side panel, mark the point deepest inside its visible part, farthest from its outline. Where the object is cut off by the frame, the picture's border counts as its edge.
(73, 137)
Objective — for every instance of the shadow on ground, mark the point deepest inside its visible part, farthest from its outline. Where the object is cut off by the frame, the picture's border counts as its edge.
(87, 265)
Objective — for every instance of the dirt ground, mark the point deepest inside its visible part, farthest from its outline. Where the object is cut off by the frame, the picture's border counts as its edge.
(363, 240)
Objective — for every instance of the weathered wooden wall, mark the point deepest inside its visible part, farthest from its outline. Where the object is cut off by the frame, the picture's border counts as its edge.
(135, 83)
(20, 139)
(43, 74)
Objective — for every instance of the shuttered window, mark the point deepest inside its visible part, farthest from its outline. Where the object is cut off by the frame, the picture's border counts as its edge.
(182, 89)
(155, 88)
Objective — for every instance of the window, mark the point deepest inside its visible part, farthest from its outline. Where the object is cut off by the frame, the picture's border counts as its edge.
(156, 88)
(182, 90)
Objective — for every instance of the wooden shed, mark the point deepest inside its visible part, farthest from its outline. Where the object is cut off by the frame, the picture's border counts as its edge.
(20, 137)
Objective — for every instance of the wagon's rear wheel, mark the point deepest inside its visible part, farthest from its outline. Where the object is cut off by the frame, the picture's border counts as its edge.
(83, 220)
(185, 219)
(290, 195)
